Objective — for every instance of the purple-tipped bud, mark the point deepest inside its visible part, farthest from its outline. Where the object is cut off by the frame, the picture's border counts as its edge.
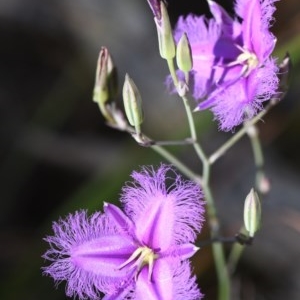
(105, 83)
(165, 34)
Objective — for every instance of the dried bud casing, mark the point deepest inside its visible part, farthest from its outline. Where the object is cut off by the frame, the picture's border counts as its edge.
(252, 213)
(184, 54)
(132, 103)
(165, 36)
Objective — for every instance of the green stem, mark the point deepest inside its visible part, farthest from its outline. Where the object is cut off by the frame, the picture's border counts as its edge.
(172, 71)
(189, 114)
(237, 249)
(178, 164)
(258, 155)
(222, 150)
(165, 154)
(193, 133)
(217, 248)
(235, 254)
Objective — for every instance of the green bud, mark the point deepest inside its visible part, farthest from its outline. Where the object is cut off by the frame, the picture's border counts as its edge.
(106, 84)
(132, 103)
(165, 36)
(252, 213)
(184, 54)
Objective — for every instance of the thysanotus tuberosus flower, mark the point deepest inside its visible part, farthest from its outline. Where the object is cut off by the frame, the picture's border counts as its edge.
(233, 72)
(139, 253)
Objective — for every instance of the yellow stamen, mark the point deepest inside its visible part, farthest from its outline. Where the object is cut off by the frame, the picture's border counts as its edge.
(141, 257)
(248, 59)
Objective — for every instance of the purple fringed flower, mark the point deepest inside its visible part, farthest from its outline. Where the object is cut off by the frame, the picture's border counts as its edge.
(233, 72)
(141, 253)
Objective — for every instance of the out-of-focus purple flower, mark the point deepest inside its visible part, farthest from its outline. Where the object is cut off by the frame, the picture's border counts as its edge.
(233, 73)
(137, 254)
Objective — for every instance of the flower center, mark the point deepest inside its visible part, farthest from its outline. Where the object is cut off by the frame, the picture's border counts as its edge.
(141, 257)
(248, 59)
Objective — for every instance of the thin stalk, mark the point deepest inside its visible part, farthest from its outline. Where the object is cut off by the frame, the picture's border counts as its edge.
(193, 133)
(256, 147)
(222, 150)
(172, 143)
(177, 163)
(238, 249)
(146, 141)
(217, 248)
(235, 254)
(234, 257)
(172, 71)
(189, 114)
(258, 155)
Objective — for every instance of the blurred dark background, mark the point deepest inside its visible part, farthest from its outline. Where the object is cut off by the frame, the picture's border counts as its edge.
(57, 155)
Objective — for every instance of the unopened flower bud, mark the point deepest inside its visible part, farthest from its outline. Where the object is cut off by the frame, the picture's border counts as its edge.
(106, 82)
(252, 213)
(165, 35)
(132, 103)
(184, 54)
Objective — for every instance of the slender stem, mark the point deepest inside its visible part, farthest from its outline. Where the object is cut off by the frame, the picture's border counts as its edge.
(189, 114)
(256, 146)
(217, 248)
(234, 257)
(178, 164)
(172, 71)
(192, 127)
(222, 150)
(236, 253)
(252, 131)
(258, 155)
(173, 143)
(240, 238)
(144, 140)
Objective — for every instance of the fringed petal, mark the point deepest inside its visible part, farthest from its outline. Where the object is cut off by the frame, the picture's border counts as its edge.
(161, 284)
(164, 215)
(171, 280)
(244, 99)
(182, 252)
(86, 252)
(119, 218)
(257, 16)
